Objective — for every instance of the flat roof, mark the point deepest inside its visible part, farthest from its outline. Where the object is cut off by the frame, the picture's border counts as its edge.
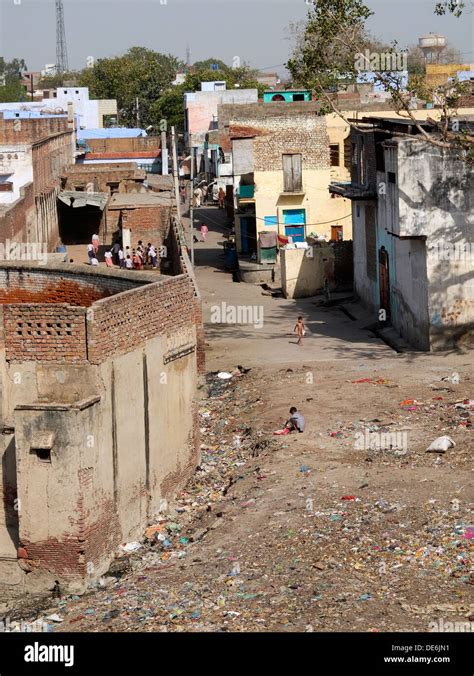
(140, 199)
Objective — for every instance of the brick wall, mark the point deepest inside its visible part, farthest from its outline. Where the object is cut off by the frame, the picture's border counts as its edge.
(127, 175)
(35, 218)
(19, 285)
(50, 157)
(31, 130)
(119, 324)
(122, 145)
(148, 224)
(42, 332)
(200, 338)
(13, 219)
(293, 132)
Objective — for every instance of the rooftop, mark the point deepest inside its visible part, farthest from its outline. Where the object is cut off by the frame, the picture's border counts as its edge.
(140, 199)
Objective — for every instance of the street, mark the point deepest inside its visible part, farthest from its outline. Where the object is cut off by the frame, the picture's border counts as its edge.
(330, 530)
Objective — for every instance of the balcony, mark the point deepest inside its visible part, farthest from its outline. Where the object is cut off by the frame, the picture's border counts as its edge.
(351, 191)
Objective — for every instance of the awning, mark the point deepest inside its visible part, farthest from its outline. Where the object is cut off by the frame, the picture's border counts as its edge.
(77, 199)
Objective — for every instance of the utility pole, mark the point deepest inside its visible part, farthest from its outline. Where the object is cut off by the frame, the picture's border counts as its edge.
(191, 207)
(138, 113)
(176, 174)
(164, 155)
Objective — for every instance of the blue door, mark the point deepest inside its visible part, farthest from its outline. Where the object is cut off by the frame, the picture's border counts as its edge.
(294, 221)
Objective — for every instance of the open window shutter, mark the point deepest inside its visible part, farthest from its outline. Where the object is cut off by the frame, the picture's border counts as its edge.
(297, 177)
(287, 173)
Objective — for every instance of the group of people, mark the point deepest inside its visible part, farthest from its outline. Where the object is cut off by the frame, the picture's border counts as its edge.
(128, 258)
(200, 195)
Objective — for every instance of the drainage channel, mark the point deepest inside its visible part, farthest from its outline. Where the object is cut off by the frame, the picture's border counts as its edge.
(347, 313)
(390, 343)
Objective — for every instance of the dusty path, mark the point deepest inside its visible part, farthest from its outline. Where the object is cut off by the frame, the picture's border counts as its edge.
(328, 530)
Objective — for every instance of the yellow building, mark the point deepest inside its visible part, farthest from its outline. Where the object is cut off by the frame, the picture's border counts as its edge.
(439, 73)
(284, 158)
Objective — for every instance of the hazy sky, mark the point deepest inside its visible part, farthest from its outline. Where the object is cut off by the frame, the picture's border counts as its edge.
(254, 30)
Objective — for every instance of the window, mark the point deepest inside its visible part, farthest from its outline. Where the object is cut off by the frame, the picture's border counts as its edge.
(370, 243)
(334, 152)
(379, 157)
(298, 97)
(43, 454)
(362, 168)
(43, 446)
(337, 233)
(292, 174)
(347, 153)
(114, 187)
(354, 154)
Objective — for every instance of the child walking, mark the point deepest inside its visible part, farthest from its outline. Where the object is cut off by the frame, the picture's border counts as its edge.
(300, 327)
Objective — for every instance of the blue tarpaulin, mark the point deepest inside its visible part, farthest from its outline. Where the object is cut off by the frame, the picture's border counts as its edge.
(113, 132)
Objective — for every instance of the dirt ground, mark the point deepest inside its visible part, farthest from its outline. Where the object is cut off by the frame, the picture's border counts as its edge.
(350, 526)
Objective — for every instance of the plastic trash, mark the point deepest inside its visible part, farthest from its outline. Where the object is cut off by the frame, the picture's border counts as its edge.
(131, 546)
(454, 379)
(224, 375)
(440, 445)
(55, 618)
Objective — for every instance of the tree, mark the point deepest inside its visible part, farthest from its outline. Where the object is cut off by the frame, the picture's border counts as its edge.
(332, 51)
(455, 7)
(169, 108)
(138, 76)
(56, 81)
(11, 74)
(206, 65)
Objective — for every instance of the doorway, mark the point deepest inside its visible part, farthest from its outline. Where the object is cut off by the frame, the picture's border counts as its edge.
(384, 282)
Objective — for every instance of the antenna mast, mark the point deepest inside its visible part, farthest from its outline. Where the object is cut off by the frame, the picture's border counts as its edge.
(61, 47)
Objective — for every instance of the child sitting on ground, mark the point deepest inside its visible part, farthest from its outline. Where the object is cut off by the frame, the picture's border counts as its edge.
(295, 423)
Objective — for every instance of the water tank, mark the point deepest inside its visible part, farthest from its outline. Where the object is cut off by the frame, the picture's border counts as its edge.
(432, 45)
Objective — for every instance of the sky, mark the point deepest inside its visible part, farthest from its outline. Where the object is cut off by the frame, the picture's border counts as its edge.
(256, 31)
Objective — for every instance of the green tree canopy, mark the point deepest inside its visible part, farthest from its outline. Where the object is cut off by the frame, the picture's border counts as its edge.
(169, 109)
(11, 73)
(140, 73)
(208, 63)
(331, 52)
